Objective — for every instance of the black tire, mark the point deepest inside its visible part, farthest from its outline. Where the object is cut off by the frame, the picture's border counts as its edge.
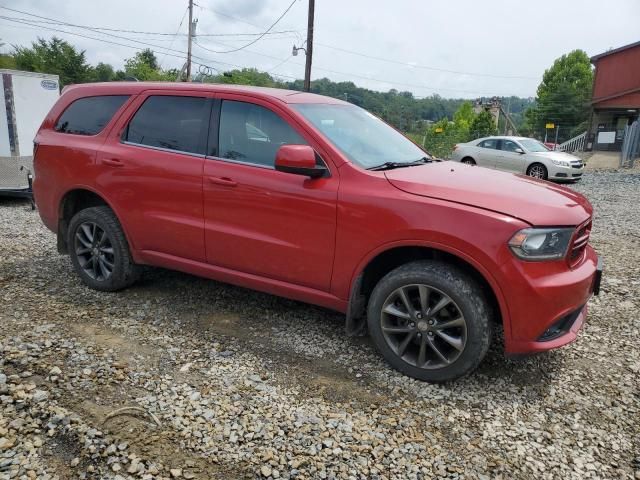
(534, 168)
(443, 280)
(468, 161)
(111, 251)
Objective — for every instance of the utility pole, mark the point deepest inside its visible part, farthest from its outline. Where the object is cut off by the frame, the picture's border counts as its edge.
(190, 38)
(506, 117)
(309, 50)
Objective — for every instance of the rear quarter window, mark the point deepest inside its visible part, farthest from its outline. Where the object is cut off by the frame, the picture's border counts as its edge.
(170, 122)
(89, 115)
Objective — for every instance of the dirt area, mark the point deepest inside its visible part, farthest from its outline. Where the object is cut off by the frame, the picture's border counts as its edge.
(230, 383)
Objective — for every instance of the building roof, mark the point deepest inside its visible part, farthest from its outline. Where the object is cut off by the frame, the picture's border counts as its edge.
(132, 88)
(615, 50)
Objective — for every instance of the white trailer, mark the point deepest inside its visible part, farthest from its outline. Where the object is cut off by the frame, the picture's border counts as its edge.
(25, 99)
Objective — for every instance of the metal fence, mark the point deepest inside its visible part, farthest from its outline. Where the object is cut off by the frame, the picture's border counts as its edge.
(630, 145)
(575, 144)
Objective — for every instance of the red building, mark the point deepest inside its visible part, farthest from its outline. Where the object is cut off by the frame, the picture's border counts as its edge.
(616, 96)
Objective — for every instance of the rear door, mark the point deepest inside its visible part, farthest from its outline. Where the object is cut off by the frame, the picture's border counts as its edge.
(508, 159)
(487, 153)
(151, 171)
(258, 220)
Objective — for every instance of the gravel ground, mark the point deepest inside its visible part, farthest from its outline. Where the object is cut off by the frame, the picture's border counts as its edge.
(230, 383)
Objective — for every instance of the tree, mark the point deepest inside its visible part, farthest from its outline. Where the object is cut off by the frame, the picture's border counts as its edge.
(56, 57)
(7, 61)
(483, 125)
(246, 76)
(103, 72)
(144, 66)
(563, 95)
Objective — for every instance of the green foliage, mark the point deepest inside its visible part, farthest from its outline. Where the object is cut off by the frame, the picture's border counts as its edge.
(483, 125)
(55, 56)
(103, 72)
(401, 109)
(563, 96)
(246, 76)
(464, 116)
(7, 61)
(144, 67)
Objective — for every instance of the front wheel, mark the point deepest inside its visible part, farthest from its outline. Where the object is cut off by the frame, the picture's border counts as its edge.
(430, 321)
(99, 250)
(469, 161)
(537, 170)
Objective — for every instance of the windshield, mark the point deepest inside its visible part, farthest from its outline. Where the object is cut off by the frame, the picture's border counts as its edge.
(362, 137)
(532, 145)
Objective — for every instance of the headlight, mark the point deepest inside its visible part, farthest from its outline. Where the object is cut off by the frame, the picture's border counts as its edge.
(536, 244)
(561, 163)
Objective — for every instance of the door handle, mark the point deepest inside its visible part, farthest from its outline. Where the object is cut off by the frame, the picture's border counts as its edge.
(226, 181)
(113, 162)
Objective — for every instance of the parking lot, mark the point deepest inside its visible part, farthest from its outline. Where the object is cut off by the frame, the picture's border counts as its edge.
(230, 383)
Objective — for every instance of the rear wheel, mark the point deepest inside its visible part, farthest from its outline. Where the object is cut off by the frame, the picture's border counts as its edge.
(99, 251)
(430, 321)
(469, 161)
(537, 170)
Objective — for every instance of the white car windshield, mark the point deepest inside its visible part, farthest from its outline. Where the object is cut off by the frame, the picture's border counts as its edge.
(533, 146)
(362, 137)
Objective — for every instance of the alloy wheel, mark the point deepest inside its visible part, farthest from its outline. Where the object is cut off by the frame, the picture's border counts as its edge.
(423, 326)
(537, 171)
(94, 251)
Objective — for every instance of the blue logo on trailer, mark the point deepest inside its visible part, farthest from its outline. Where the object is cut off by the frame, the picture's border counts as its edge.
(49, 84)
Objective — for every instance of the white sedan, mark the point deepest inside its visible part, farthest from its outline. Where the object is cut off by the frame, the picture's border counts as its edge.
(520, 155)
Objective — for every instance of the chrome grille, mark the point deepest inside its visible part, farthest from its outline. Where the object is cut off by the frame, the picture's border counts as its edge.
(580, 241)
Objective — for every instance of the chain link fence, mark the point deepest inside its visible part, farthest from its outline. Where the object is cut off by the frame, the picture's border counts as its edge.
(630, 145)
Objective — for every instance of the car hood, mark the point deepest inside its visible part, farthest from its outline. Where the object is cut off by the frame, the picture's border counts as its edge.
(535, 201)
(567, 157)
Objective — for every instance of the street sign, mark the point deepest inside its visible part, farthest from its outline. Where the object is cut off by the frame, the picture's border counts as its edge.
(439, 130)
(550, 125)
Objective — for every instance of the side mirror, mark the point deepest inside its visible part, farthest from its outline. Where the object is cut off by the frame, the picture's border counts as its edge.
(299, 160)
(519, 150)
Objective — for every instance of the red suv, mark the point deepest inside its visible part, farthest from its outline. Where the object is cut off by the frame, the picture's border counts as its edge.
(315, 199)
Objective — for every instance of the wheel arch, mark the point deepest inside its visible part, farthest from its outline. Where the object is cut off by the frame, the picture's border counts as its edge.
(74, 200)
(536, 162)
(382, 261)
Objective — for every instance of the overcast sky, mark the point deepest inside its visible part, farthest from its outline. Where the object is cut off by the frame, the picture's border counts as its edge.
(455, 48)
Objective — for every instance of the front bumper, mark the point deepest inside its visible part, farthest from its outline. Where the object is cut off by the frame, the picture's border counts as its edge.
(565, 173)
(548, 308)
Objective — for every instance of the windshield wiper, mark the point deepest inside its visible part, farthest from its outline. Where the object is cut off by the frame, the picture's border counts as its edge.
(392, 165)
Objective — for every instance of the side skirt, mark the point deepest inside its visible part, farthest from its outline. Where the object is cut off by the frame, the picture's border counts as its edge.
(247, 280)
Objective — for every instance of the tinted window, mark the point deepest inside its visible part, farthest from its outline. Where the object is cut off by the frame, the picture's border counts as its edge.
(509, 146)
(171, 122)
(88, 116)
(490, 143)
(251, 133)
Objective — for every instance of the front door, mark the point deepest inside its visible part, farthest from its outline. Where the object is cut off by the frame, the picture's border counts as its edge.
(151, 169)
(258, 220)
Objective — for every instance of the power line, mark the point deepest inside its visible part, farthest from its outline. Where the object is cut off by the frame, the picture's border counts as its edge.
(279, 64)
(424, 67)
(173, 39)
(263, 33)
(166, 49)
(349, 74)
(162, 49)
(141, 32)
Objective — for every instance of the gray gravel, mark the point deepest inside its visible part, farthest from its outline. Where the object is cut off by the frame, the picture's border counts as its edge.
(245, 385)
